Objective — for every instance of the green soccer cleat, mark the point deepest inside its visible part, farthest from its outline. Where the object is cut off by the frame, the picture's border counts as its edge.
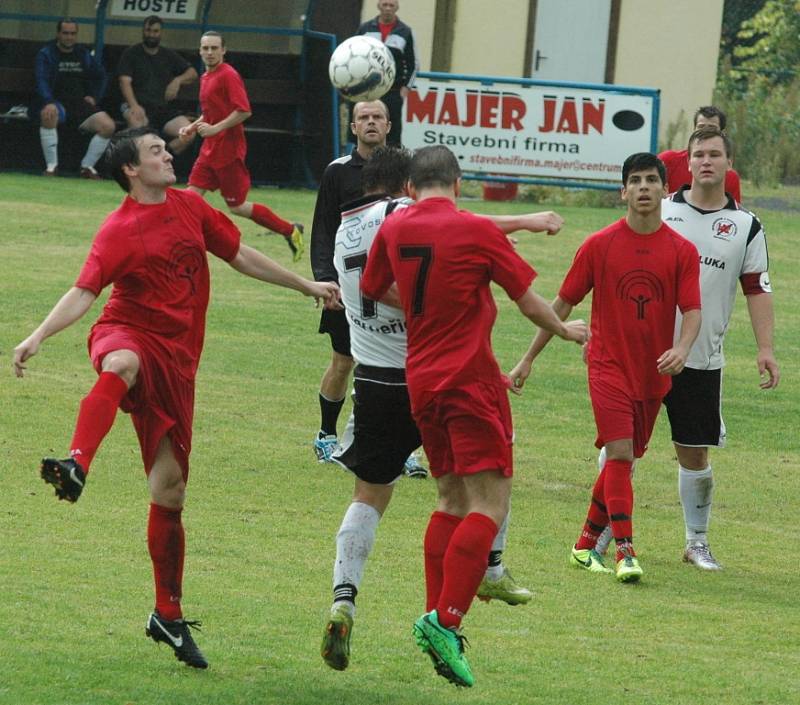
(505, 588)
(588, 559)
(628, 569)
(336, 639)
(295, 242)
(445, 648)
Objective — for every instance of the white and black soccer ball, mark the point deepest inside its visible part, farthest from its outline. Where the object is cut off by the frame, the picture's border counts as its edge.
(362, 68)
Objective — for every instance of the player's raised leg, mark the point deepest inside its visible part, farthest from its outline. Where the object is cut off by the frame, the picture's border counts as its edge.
(96, 415)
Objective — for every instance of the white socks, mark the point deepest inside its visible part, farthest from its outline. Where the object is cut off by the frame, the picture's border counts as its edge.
(49, 139)
(96, 148)
(695, 488)
(353, 544)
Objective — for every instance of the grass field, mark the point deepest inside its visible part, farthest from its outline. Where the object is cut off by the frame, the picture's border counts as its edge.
(261, 514)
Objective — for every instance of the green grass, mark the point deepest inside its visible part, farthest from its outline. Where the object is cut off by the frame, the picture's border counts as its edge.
(261, 515)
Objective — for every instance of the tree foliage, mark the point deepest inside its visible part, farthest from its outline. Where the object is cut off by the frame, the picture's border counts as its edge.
(769, 43)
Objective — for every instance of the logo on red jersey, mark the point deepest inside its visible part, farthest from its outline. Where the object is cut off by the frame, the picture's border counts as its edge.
(724, 229)
(641, 288)
(185, 261)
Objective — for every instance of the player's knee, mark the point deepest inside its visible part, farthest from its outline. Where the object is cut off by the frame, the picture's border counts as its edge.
(341, 365)
(124, 364)
(106, 126)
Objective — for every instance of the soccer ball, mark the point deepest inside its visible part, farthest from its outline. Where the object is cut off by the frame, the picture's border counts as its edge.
(362, 68)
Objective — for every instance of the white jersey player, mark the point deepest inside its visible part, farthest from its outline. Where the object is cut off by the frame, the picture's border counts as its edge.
(733, 250)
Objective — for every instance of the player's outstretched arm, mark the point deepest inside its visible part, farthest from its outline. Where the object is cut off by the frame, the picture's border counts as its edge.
(69, 309)
(550, 319)
(762, 318)
(254, 264)
(545, 221)
(673, 360)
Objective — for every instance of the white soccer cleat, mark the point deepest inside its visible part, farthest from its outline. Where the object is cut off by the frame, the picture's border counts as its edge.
(698, 554)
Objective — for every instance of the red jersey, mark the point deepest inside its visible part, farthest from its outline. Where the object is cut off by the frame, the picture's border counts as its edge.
(155, 256)
(443, 261)
(221, 92)
(638, 280)
(678, 173)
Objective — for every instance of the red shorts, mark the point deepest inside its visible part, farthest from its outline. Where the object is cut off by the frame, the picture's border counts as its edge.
(232, 180)
(468, 430)
(162, 400)
(617, 416)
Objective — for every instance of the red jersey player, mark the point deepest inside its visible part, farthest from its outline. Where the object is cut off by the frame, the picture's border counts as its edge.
(225, 106)
(444, 261)
(677, 161)
(146, 346)
(639, 270)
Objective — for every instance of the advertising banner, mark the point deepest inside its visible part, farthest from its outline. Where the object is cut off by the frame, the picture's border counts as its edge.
(165, 9)
(532, 129)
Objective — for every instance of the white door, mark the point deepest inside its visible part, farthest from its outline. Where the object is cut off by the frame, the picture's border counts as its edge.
(570, 40)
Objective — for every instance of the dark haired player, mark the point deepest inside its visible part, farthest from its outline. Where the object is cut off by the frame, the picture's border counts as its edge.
(444, 261)
(381, 432)
(225, 106)
(146, 347)
(639, 271)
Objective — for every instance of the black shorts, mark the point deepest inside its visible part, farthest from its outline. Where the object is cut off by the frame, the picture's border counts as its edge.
(160, 115)
(335, 324)
(694, 407)
(381, 433)
(73, 112)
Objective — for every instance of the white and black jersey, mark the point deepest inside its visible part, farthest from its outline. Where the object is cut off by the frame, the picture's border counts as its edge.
(377, 331)
(732, 246)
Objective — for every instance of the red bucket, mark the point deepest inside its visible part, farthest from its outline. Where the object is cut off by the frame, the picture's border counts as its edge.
(499, 190)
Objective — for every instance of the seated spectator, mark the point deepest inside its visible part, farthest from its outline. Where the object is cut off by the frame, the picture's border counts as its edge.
(150, 77)
(70, 83)
(677, 161)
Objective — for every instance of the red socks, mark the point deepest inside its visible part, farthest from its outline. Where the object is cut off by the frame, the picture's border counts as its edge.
(96, 417)
(440, 529)
(619, 502)
(165, 539)
(464, 566)
(270, 220)
(597, 519)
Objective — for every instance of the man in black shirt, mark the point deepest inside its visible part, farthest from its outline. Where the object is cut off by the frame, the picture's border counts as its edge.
(341, 183)
(150, 77)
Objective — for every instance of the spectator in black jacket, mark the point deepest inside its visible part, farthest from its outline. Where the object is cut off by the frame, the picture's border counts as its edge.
(70, 83)
(399, 39)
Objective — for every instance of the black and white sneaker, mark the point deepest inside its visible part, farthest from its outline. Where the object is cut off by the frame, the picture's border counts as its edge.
(66, 476)
(177, 636)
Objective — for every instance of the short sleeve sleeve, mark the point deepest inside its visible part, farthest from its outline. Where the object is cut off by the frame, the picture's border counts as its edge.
(237, 94)
(579, 280)
(507, 269)
(689, 282)
(222, 237)
(105, 263)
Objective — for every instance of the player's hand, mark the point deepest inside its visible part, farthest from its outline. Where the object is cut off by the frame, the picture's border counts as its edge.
(768, 371)
(49, 112)
(546, 221)
(512, 241)
(328, 293)
(90, 100)
(577, 331)
(671, 362)
(404, 92)
(23, 352)
(518, 375)
(172, 89)
(206, 130)
(187, 132)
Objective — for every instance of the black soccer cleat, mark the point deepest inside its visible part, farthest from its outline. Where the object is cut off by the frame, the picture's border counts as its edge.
(67, 476)
(177, 636)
